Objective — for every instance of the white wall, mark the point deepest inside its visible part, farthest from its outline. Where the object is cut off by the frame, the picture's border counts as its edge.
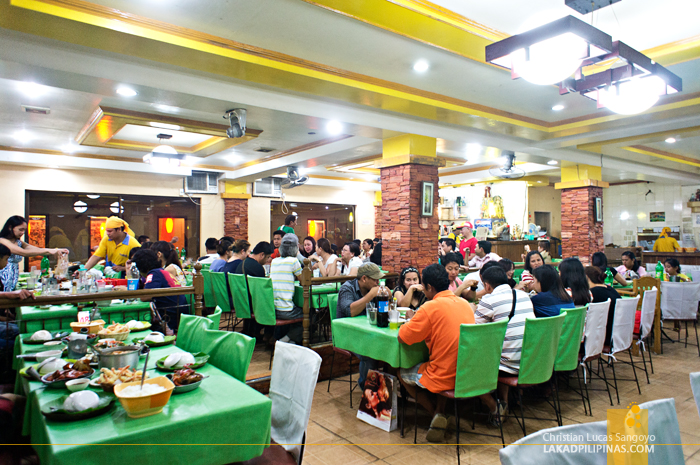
(513, 193)
(259, 209)
(16, 179)
(626, 207)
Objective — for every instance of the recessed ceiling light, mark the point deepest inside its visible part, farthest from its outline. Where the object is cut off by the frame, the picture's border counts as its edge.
(23, 136)
(552, 162)
(126, 91)
(172, 127)
(93, 196)
(32, 89)
(539, 182)
(334, 127)
(421, 66)
(671, 140)
(326, 208)
(69, 148)
(473, 150)
(167, 108)
(558, 107)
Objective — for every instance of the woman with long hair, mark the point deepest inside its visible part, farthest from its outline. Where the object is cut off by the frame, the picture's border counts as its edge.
(309, 247)
(601, 261)
(11, 237)
(551, 296)
(409, 292)
(225, 250)
(367, 247)
(325, 258)
(169, 261)
(602, 292)
(240, 252)
(533, 260)
(376, 256)
(573, 278)
(630, 268)
(509, 267)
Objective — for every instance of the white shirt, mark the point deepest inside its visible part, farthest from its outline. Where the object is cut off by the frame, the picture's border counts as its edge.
(476, 276)
(477, 262)
(355, 262)
(209, 258)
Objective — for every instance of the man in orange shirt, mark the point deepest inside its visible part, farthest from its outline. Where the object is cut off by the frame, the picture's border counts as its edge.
(437, 323)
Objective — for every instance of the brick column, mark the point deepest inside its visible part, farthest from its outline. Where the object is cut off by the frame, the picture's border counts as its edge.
(377, 221)
(581, 234)
(408, 238)
(236, 218)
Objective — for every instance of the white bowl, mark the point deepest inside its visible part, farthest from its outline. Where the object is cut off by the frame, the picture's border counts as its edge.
(41, 356)
(75, 385)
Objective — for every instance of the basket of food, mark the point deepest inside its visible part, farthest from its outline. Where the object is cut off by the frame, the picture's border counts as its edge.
(116, 331)
(93, 327)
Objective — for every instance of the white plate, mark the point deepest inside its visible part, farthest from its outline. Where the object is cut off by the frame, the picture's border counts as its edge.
(53, 343)
(402, 309)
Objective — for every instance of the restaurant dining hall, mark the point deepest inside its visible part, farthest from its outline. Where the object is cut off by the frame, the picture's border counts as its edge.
(345, 233)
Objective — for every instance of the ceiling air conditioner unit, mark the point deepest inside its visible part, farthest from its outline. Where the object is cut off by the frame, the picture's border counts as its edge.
(202, 182)
(268, 187)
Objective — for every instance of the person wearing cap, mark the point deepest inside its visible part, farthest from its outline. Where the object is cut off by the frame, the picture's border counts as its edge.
(115, 245)
(468, 242)
(283, 271)
(438, 325)
(353, 297)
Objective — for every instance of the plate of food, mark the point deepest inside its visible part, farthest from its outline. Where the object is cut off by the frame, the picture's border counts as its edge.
(43, 336)
(137, 326)
(110, 377)
(69, 371)
(185, 380)
(116, 331)
(108, 344)
(78, 406)
(156, 339)
(178, 361)
(45, 367)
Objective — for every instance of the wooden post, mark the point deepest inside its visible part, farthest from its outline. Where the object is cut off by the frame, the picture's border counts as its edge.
(305, 280)
(198, 283)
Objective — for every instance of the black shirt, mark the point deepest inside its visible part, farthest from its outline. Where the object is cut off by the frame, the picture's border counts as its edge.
(252, 268)
(230, 267)
(601, 294)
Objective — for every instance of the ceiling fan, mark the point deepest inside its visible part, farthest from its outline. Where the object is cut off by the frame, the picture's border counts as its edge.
(508, 170)
(293, 178)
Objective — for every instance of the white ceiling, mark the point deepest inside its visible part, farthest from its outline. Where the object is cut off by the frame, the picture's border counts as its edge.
(150, 135)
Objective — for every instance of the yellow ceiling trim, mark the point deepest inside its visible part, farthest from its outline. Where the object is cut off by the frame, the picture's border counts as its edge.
(662, 154)
(675, 52)
(597, 147)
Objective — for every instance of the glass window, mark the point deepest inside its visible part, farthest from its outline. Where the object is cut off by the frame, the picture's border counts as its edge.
(332, 221)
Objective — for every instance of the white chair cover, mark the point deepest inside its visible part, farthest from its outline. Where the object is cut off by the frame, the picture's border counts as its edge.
(623, 324)
(694, 274)
(695, 385)
(294, 377)
(596, 321)
(648, 310)
(679, 301)
(663, 424)
(540, 455)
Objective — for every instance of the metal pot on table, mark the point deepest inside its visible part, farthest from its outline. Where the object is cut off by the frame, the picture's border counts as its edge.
(120, 357)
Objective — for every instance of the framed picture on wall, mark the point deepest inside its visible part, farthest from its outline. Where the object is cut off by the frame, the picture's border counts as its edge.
(427, 198)
(599, 209)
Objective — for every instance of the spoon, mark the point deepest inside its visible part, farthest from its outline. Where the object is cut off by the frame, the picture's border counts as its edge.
(145, 365)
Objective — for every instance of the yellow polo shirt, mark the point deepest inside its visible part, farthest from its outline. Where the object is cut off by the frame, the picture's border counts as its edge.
(666, 244)
(116, 254)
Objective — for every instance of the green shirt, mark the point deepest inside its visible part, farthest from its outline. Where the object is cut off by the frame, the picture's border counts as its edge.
(287, 229)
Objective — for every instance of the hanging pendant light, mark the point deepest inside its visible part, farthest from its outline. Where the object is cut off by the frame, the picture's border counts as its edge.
(164, 155)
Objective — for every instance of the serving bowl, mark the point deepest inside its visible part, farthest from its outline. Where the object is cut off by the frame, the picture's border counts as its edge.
(76, 385)
(143, 406)
(47, 354)
(93, 327)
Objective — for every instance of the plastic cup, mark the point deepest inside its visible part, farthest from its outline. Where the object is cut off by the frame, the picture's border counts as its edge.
(393, 319)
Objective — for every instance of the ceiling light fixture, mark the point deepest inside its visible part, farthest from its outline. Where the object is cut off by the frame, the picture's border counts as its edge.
(334, 127)
(421, 66)
(164, 155)
(126, 91)
(93, 196)
(551, 53)
(68, 148)
(172, 127)
(558, 107)
(671, 140)
(80, 206)
(473, 150)
(23, 136)
(32, 89)
(552, 162)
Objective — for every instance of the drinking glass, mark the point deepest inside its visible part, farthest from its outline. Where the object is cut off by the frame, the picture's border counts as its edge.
(393, 319)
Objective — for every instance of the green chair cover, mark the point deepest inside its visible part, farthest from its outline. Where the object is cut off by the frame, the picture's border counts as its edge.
(216, 317)
(540, 344)
(263, 300)
(220, 290)
(228, 351)
(206, 266)
(190, 333)
(477, 375)
(208, 291)
(239, 293)
(332, 305)
(518, 272)
(570, 340)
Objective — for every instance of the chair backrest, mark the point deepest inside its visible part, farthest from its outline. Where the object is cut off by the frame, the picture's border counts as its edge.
(229, 351)
(644, 283)
(539, 350)
(537, 454)
(517, 273)
(479, 375)
(263, 300)
(220, 290)
(292, 383)
(623, 324)
(695, 386)
(190, 334)
(695, 275)
(663, 425)
(209, 300)
(239, 294)
(332, 305)
(679, 301)
(648, 311)
(216, 317)
(570, 340)
(596, 321)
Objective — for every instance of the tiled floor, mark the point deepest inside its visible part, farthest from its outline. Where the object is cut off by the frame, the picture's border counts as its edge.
(336, 436)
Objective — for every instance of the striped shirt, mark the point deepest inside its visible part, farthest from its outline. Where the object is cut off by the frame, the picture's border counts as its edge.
(282, 272)
(496, 306)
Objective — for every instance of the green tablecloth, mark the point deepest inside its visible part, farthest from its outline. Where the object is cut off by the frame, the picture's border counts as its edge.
(223, 412)
(319, 294)
(358, 336)
(31, 319)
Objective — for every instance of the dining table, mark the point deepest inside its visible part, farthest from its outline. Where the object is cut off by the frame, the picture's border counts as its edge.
(222, 421)
(56, 317)
(357, 335)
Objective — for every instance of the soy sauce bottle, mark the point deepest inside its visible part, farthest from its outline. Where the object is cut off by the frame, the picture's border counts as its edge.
(382, 301)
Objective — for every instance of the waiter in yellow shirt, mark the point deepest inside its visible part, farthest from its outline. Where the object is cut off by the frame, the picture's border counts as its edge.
(115, 245)
(666, 243)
